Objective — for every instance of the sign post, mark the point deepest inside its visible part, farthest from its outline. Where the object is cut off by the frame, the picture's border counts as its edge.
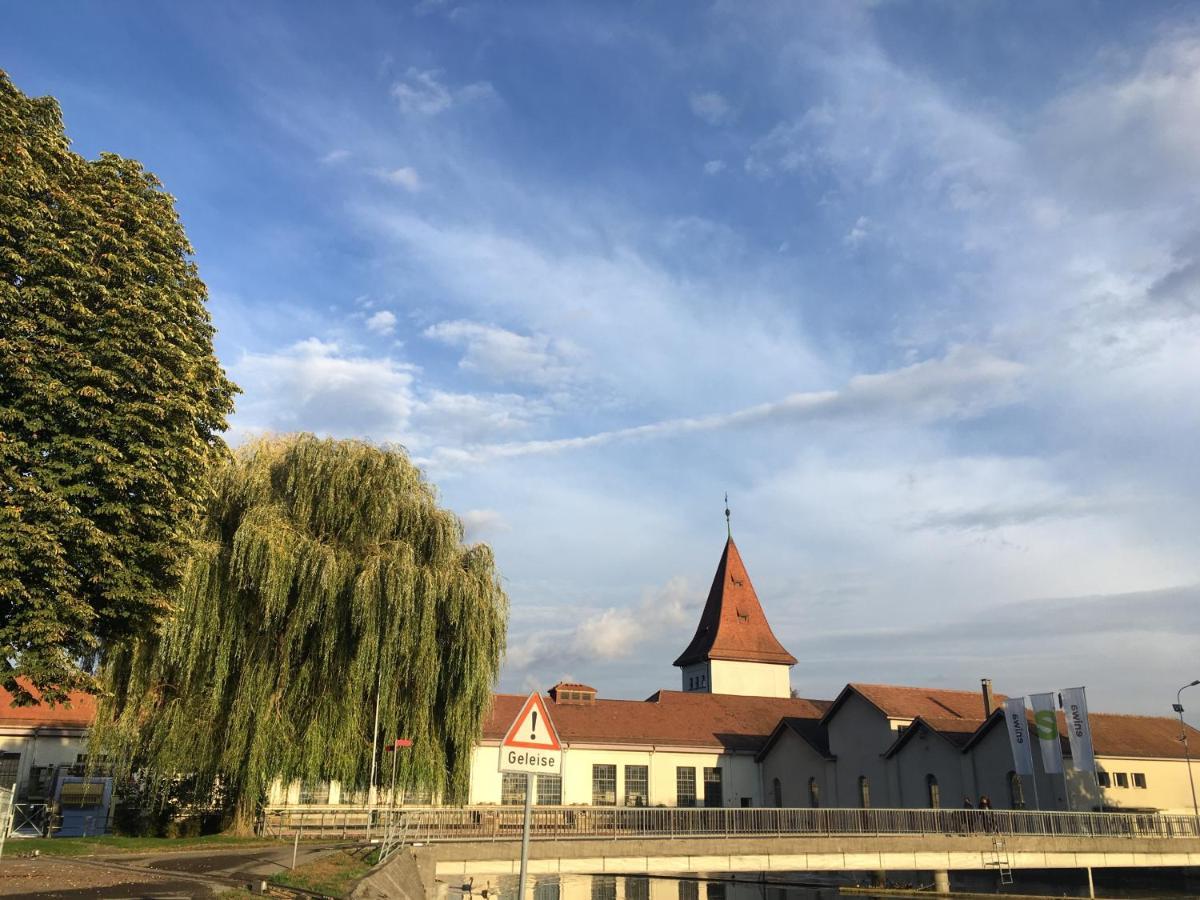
(531, 747)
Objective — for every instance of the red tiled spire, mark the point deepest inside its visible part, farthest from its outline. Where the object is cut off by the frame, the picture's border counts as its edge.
(733, 625)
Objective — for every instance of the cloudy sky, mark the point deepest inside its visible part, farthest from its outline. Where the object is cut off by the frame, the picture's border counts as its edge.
(918, 284)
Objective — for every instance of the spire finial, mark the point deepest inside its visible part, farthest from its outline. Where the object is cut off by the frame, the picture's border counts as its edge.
(728, 527)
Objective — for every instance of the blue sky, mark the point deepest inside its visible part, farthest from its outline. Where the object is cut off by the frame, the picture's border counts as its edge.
(918, 284)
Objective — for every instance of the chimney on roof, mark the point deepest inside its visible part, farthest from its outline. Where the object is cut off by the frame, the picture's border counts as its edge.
(989, 702)
(570, 692)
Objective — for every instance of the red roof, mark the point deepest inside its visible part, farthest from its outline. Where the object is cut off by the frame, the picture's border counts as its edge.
(79, 712)
(733, 625)
(1144, 736)
(668, 718)
(898, 702)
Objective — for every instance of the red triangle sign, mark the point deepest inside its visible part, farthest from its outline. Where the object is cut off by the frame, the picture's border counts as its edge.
(532, 728)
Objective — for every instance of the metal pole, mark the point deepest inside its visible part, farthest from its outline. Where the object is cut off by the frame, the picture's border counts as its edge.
(374, 752)
(1091, 884)
(392, 799)
(1186, 752)
(530, 781)
(295, 847)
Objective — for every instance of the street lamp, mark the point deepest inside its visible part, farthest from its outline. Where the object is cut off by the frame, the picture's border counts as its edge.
(1178, 707)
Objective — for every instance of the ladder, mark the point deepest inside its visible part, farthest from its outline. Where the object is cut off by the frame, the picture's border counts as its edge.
(394, 835)
(1000, 861)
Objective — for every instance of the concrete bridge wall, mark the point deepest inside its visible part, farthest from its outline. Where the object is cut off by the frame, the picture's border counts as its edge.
(825, 854)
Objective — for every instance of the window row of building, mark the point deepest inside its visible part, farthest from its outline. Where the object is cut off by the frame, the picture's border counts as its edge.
(548, 791)
(1121, 779)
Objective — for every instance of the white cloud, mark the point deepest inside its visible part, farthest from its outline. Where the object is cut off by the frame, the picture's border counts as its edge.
(314, 385)
(423, 93)
(382, 322)
(612, 633)
(405, 177)
(1130, 139)
(335, 156)
(320, 386)
(711, 106)
(479, 523)
(858, 233)
(714, 167)
(503, 355)
(963, 384)
(445, 418)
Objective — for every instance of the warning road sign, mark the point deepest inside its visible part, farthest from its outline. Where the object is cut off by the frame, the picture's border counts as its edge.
(531, 744)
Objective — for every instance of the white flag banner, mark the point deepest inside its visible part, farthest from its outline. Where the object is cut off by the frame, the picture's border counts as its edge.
(1018, 735)
(1045, 721)
(1079, 730)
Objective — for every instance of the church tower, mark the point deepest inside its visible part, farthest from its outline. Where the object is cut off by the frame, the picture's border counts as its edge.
(734, 650)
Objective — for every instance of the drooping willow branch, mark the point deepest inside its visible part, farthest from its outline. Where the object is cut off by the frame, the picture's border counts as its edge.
(323, 569)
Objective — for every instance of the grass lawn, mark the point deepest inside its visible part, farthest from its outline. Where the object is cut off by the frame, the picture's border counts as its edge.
(333, 875)
(113, 844)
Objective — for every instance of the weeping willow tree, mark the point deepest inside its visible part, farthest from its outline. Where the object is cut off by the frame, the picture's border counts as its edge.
(325, 574)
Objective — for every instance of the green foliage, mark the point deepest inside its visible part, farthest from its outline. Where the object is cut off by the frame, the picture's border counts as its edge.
(111, 400)
(325, 569)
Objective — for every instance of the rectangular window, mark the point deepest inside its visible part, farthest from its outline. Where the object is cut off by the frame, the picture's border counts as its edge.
(604, 887)
(604, 789)
(715, 890)
(685, 786)
(637, 785)
(637, 887)
(1139, 779)
(9, 763)
(713, 795)
(547, 888)
(512, 789)
(549, 790)
(1122, 780)
(689, 890)
(1104, 780)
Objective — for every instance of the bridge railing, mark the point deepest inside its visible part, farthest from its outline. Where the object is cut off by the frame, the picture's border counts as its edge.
(492, 823)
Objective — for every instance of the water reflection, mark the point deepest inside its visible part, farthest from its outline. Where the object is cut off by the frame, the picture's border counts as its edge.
(639, 887)
(800, 886)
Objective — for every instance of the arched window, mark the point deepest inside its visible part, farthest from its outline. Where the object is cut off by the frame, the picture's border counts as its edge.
(814, 793)
(933, 791)
(864, 792)
(777, 785)
(1016, 791)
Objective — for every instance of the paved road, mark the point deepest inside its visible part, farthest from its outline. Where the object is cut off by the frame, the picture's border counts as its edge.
(164, 876)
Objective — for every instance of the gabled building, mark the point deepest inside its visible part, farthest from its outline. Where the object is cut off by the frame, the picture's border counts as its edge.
(734, 650)
(39, 741)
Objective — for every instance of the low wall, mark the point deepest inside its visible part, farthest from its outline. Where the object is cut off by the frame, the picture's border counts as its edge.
(824, 854)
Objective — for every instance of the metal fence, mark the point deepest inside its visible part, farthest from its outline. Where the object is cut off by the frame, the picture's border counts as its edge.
(494, 823)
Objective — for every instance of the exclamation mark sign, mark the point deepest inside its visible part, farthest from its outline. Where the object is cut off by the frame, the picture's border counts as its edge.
(533, 727)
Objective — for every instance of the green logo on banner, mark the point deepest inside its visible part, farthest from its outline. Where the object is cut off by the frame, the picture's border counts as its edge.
(1046, 722)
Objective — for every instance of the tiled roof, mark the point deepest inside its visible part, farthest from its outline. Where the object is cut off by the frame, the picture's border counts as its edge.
(1139, 736)
(733, 625)
(898, 702)
(78, 713)
(667, 718)
(1116, 734)
(573, 686)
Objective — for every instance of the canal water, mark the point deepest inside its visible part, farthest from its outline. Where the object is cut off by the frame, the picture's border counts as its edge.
(781, 886)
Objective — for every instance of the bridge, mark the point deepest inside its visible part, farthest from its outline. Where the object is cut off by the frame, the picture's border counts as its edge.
(463, 841)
